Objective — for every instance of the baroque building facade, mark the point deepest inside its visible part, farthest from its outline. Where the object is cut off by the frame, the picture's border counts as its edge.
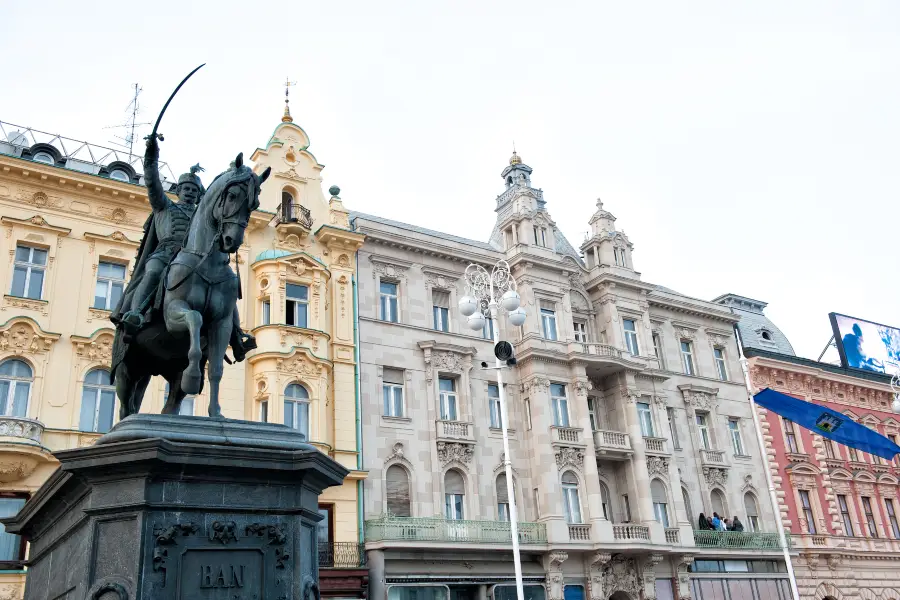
(628, 417)
(72, 222)
(840, 504)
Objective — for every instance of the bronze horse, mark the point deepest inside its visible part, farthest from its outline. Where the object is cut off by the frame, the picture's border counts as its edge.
(199, 301)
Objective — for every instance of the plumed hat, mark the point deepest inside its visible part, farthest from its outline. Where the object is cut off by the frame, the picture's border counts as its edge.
(192, 177)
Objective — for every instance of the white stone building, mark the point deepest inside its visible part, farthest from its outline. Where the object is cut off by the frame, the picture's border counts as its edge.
(628, 418)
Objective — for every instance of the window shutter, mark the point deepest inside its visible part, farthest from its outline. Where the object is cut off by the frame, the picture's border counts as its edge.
(569, 477)
(658, 492)
(718, 503)
(453, 483)
(502, 496)
(394, 376)
(440, 298)
(397, 482)
(750, 505)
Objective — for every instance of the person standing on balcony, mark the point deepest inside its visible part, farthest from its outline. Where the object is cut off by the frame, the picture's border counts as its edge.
(703, 523)
(717, 522)
(736, 524)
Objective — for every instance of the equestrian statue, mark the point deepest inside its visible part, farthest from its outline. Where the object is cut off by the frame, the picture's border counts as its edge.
(179, 312)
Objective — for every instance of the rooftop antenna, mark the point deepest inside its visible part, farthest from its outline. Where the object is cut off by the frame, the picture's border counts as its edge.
(131, 124)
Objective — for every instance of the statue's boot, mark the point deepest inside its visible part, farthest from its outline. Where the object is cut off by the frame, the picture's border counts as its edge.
(241, 343)
(131, 322)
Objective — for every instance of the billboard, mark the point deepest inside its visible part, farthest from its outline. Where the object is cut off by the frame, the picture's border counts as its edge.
(866, 345)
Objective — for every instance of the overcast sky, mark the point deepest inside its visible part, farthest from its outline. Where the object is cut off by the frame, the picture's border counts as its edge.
(744, 147)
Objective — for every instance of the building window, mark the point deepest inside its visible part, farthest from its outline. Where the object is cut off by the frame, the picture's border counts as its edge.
(605, 502)
(790, 437)
(892, 517)
(441, 309)
(44, 157)
(12, 547)
(28, 274)
(502, 498)
(673, 430)
(98, 400)
(560, 405)
(626, 505)
(718, 502)
(110, 284)
(845, 515)
(264, 411)
(851, 453)
(721, 368)
(540, 236)
(325, 534)
(297, 305)
(619, 256)
(487, 332)
(592, 407)
(766, 335)
(870, 516)
(15, 387)
(266, 312)
(570, 497)
(296, 408)
(703, 428)
(645, 417)
(580, 328)
(660, 502)
(750, 507)
(686, 498)
(734, 427)
(494, 402)
(536, 498)
(806, 505)
(447, 388)
(388, 301)
(119, 175)
(454, 495)
(687, 357)
(548, 323)
(527, 403)
(397, 491)
(657, 350)
(829, 448)
(631, 338)
(392, 391)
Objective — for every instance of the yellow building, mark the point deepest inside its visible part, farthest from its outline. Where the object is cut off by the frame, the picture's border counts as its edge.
(72, 216)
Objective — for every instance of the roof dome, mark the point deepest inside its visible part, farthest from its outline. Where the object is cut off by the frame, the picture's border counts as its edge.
(515, 159)
(272, 254)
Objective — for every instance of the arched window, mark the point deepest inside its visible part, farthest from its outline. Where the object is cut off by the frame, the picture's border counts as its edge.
(119, 175)
(454, 495)
(752, 510)
(766, 335)
(15, 387)
(98, 400)
(687, 504)
(571, 501)
(397, 482)
(718, 503)
(44, 157)
(605, 502)
(660, 502)
(287, 206)
(502, 498)
(296, 408)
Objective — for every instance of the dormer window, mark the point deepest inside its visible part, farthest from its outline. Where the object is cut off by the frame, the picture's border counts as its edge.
(766, 336)
(619, 255)
(120, 175)
(540, 236)
(44, 157)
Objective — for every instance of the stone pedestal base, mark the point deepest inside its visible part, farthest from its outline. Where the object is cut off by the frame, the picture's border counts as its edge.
(167, 507)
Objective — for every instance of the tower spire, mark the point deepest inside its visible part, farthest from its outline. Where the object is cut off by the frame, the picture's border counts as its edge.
(287, 108)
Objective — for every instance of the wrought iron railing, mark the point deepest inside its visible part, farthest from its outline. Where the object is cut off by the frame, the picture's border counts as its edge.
(292, 212)
(445, 530)
(750, 540)
(342, 555)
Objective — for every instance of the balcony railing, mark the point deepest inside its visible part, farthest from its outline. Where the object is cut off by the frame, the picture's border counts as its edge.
(291, 212)
(624, 533)
(445, 530)
(673, 536)
(566, 435)
(579, 533)
(24, 429)
(457, 430)
(748, 540)
(595, 349)
(712, 457)
(655, 445)
(342, 555)
(612, 442)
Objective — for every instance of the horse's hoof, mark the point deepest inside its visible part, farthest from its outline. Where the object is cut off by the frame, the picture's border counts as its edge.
(215, 414)
(190, 383)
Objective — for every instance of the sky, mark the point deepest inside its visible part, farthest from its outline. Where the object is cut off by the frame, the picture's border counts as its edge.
(744, 147)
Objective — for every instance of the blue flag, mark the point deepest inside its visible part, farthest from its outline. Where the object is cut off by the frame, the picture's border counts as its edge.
(827, 423)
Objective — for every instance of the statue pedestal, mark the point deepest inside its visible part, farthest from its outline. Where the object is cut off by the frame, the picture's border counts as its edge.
(173, 507)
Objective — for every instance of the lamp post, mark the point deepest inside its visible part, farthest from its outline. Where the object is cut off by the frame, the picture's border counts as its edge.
(487, 293)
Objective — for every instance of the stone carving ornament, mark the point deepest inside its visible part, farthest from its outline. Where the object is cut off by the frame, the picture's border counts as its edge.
(569, 457)
(657, 465)
(621, 575)
(454, 452)
(715, 476)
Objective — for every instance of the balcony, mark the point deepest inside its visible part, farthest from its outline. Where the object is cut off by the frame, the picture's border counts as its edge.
(738, 540)
(410, 529)
(567, 436)
(20, 443)
(579, 533)
(612, 445)
(293, 219)
(656, 446)
(455, 431)
(673, 536)
(628, 533)
(712, 458)
(342, 555)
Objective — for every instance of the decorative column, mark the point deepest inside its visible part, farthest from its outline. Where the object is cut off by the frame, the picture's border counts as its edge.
(648, 575)
(595, 565)
(601, 528)
(553, 565)
(377, 589)
(641, 502)
(680, 565)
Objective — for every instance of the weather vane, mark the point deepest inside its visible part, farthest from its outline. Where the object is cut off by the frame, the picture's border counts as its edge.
(287, 110)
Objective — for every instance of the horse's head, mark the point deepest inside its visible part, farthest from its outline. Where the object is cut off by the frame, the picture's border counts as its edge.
(234, 195)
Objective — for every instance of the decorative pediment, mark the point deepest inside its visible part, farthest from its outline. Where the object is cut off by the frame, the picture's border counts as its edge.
(389, 267)
(446, 358)
(455, 452)
(299, 361)
(116, 237)
(97, 347)
(699, 397)
(715, 477)
(657, 465)
(864, 476)
(841, 474)
(36, 222)
(888, 479)
(440, 278)
(22, 335)
(569, 457)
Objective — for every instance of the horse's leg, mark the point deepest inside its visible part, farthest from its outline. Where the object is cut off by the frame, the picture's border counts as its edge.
(137, 394)
(218, 334)
(176, 395)
(179, 318)
(125, 391)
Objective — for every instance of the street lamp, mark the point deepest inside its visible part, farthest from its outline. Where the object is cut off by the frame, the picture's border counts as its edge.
(487, 293)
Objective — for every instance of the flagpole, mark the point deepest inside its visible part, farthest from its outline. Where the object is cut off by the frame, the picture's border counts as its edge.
(782, 538)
